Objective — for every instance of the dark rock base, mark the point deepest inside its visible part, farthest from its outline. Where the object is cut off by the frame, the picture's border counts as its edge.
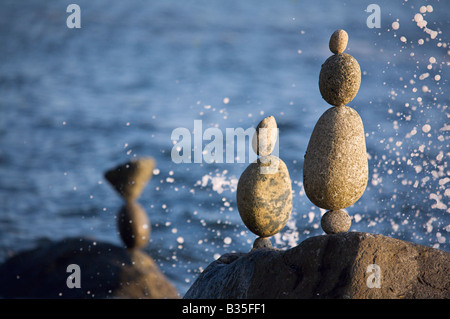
(348, 265)
(106, 271)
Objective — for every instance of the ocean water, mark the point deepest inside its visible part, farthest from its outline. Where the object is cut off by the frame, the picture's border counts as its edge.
(77, 102)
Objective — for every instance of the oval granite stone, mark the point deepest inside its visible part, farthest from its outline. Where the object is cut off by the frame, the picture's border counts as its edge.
(335, 222)
(339, 79)
(264, 196)
(335, 170)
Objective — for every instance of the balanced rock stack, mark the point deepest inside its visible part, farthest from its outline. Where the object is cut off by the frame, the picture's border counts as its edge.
(129, 180)
(335, 169)
(264, 192)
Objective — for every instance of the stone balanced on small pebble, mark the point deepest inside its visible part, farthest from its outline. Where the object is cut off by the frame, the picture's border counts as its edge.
(335, 169)
(129, 180)
(264, 192)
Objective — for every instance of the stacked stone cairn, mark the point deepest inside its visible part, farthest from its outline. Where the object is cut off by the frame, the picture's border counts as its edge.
(129, 180)
(264, 192)
(335, 169)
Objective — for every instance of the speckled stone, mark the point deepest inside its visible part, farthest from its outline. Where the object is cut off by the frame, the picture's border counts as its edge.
(134, 225)
(338, 41)
(129, 179)
(335, 222)
(335, 169)
(264, 196)
(265, 136)
(262, 242)
(339, 79)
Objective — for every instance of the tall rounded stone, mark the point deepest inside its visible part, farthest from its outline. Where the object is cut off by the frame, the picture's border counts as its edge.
(265, 136)
(264, 196)
(134, 225)
(335, 169)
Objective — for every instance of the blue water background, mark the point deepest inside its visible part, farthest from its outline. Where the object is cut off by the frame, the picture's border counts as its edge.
(77, 102)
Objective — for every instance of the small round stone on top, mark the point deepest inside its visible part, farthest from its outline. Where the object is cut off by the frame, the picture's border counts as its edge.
(338, 41)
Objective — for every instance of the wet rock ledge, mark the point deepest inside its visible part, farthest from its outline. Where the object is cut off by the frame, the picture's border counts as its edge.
(347, 265)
